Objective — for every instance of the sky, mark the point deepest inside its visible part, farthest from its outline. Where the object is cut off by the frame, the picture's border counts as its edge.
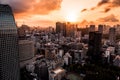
(45, 13)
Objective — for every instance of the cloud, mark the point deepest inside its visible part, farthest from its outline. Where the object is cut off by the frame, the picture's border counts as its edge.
(102, 2)
(19, 6)
(110, 18)
(108, 5)
(33, 6)
(106, 10)
(83, 10)
(93, 8)
(46, 6)
(116, 3)
(85, 22)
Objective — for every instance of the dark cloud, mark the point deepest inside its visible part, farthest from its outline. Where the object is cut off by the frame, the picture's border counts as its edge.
(108, 5)
(33, 6)
(116, 3)
(83, 10)
(18, 6)
(110, 18)
(102, 2)
(107, 10)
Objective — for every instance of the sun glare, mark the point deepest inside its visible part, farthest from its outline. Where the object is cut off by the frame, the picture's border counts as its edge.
(71, 17)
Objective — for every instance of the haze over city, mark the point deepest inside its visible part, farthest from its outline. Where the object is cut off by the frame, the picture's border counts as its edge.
(45, 13)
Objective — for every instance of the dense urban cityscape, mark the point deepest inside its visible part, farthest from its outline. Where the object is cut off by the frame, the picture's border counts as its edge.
(67, 51)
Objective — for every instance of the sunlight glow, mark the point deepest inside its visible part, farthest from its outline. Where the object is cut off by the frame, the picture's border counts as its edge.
(71, 17)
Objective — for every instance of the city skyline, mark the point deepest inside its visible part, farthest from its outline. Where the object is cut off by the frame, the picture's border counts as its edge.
(45, 13)
(67, 51)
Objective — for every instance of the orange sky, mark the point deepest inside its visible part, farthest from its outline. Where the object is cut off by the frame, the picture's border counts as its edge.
(46, 12)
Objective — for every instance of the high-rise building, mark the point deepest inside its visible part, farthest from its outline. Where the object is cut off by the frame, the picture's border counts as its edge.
(94, 46)
(41, 69)
(26, 50)
(9, 63)
(100, 28)
(64, 29)
(58, 27)
(112, 36)
(106, 29)
(117, 29)
(61, 28)
(92, 28)
(70, 29)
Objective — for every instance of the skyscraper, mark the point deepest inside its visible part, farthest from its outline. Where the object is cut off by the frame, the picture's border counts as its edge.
(94, 46)
(70, 29)
(100, 28)
(9, 64)
(92, 28)
(61, 28)
(58, 27)
(112, 36)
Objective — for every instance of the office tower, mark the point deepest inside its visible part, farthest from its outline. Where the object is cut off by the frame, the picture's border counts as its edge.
(9, 64)
(94, 46)
(106, 29)
(100, 28)
(64, 29)
(92, 28)
(61, 28)
(26, 51)
(112, 36)
(50, 29)
(118, 47)
(117, 29)
(78, 34)
(70, 29)
(41, 69)
(58, 27)
(117, 61)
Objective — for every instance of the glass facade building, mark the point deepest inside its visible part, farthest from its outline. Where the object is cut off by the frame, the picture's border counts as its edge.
(9, 63)
(94, 46)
